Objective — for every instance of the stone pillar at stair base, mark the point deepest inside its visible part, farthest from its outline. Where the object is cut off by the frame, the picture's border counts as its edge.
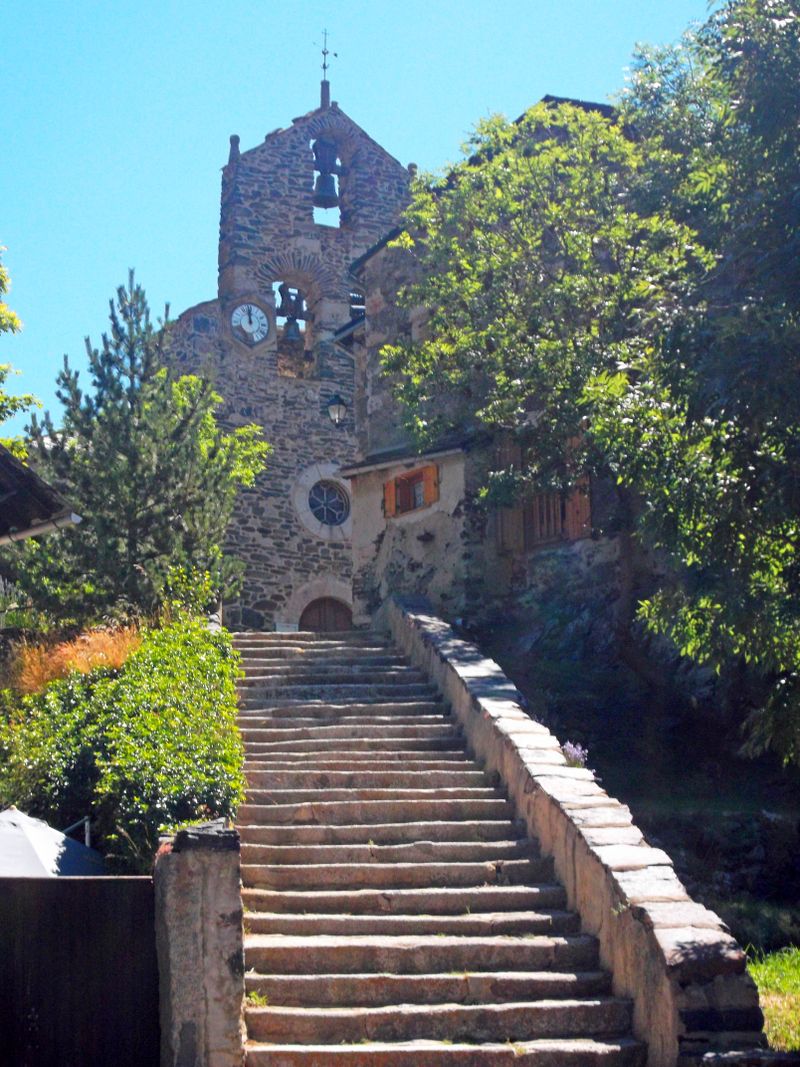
(199, 939)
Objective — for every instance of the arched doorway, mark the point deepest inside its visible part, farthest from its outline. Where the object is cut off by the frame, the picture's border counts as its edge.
(326, 614)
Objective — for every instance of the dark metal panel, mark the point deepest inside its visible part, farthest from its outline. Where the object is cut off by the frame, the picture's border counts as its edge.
(78, 973)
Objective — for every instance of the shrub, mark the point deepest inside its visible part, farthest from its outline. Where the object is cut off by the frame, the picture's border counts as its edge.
(151, 743)
(48, 749)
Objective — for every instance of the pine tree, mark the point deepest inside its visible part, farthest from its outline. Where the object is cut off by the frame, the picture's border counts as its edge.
(142, 459)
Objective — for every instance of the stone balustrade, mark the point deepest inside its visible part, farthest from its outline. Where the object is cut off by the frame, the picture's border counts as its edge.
(676, 959)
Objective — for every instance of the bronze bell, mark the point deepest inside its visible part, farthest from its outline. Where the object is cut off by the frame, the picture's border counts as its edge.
(291, 331)
(325, 194)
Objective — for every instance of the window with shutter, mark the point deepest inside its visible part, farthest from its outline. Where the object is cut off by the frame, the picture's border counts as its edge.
(552, 517)
(544, 519)
(409, 492)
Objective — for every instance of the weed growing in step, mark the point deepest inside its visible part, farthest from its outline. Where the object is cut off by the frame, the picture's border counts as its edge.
(575, 754)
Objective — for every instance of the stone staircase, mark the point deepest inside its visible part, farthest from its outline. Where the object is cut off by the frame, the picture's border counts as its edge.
(395, 913)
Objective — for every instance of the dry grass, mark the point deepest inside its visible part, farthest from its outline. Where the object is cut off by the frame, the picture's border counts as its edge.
(33, 666)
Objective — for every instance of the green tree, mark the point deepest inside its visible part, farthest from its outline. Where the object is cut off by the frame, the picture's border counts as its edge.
(546, 257)
(707, 428)
(143, 460)
(9, 405)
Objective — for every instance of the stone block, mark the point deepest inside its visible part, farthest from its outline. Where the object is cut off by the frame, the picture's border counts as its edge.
(200, 946)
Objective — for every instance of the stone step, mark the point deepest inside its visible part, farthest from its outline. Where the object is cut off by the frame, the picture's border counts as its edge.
(490, 924)
(322, 699)
(324, 711)
(335, 692)
(365, 744)
(255, 720)
(318, 674)
(337, 746)
(323, 732)
(563, 1052)
(596, 1017)
(314, 650)
(397, 875)
(392, 833)
(300, 990)
(355, 762)
(341, 812)
(348, 759)
(443, 901)
(410, 852)
(363, 778)
(279, 954)
(296, 714)
(299, 642)
(402, 681)
(396, 914)
(326, 796)
(303, 635)
(281, 658)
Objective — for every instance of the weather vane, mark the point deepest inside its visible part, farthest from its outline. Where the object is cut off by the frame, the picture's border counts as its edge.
(325, 88)
(325, 53)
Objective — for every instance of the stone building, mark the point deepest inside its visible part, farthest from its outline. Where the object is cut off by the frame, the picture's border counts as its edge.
(296, 211)
(418, 524)
(347, 513)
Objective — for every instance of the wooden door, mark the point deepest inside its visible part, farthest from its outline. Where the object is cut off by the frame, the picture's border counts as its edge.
(326, 614)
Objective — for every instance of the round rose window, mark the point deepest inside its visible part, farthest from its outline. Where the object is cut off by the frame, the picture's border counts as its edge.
(329, 503)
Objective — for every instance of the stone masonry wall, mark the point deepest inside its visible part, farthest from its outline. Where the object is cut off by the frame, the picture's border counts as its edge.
(419, 552)
(379, 424)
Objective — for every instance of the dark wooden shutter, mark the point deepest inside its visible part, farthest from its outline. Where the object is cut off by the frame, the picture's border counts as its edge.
(578, 517)
(510, 521)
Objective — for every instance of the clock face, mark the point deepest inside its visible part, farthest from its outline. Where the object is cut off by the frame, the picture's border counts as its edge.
(249, 323)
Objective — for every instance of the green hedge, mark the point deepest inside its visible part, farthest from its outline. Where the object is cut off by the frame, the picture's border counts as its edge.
(152, 744)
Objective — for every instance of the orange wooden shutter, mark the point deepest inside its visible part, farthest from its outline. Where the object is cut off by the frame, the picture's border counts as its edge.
(389, 498)
(430, 484)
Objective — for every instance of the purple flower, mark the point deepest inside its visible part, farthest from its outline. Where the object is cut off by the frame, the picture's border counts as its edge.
(575, 754)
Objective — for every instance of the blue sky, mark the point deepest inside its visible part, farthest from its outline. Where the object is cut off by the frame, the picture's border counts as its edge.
(116, 118)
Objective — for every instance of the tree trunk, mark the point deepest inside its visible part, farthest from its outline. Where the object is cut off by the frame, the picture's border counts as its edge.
(629, 648)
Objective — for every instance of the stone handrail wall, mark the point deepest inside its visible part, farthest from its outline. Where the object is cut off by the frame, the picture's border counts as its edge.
(675, 958)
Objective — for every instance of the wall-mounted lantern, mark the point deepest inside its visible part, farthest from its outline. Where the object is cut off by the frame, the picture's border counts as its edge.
(337, 409)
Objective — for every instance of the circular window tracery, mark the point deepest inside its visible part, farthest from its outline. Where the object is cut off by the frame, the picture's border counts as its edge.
(329, 503)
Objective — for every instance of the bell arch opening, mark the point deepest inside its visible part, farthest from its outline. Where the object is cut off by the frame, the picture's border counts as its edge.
(328, 170)
(294, 322)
